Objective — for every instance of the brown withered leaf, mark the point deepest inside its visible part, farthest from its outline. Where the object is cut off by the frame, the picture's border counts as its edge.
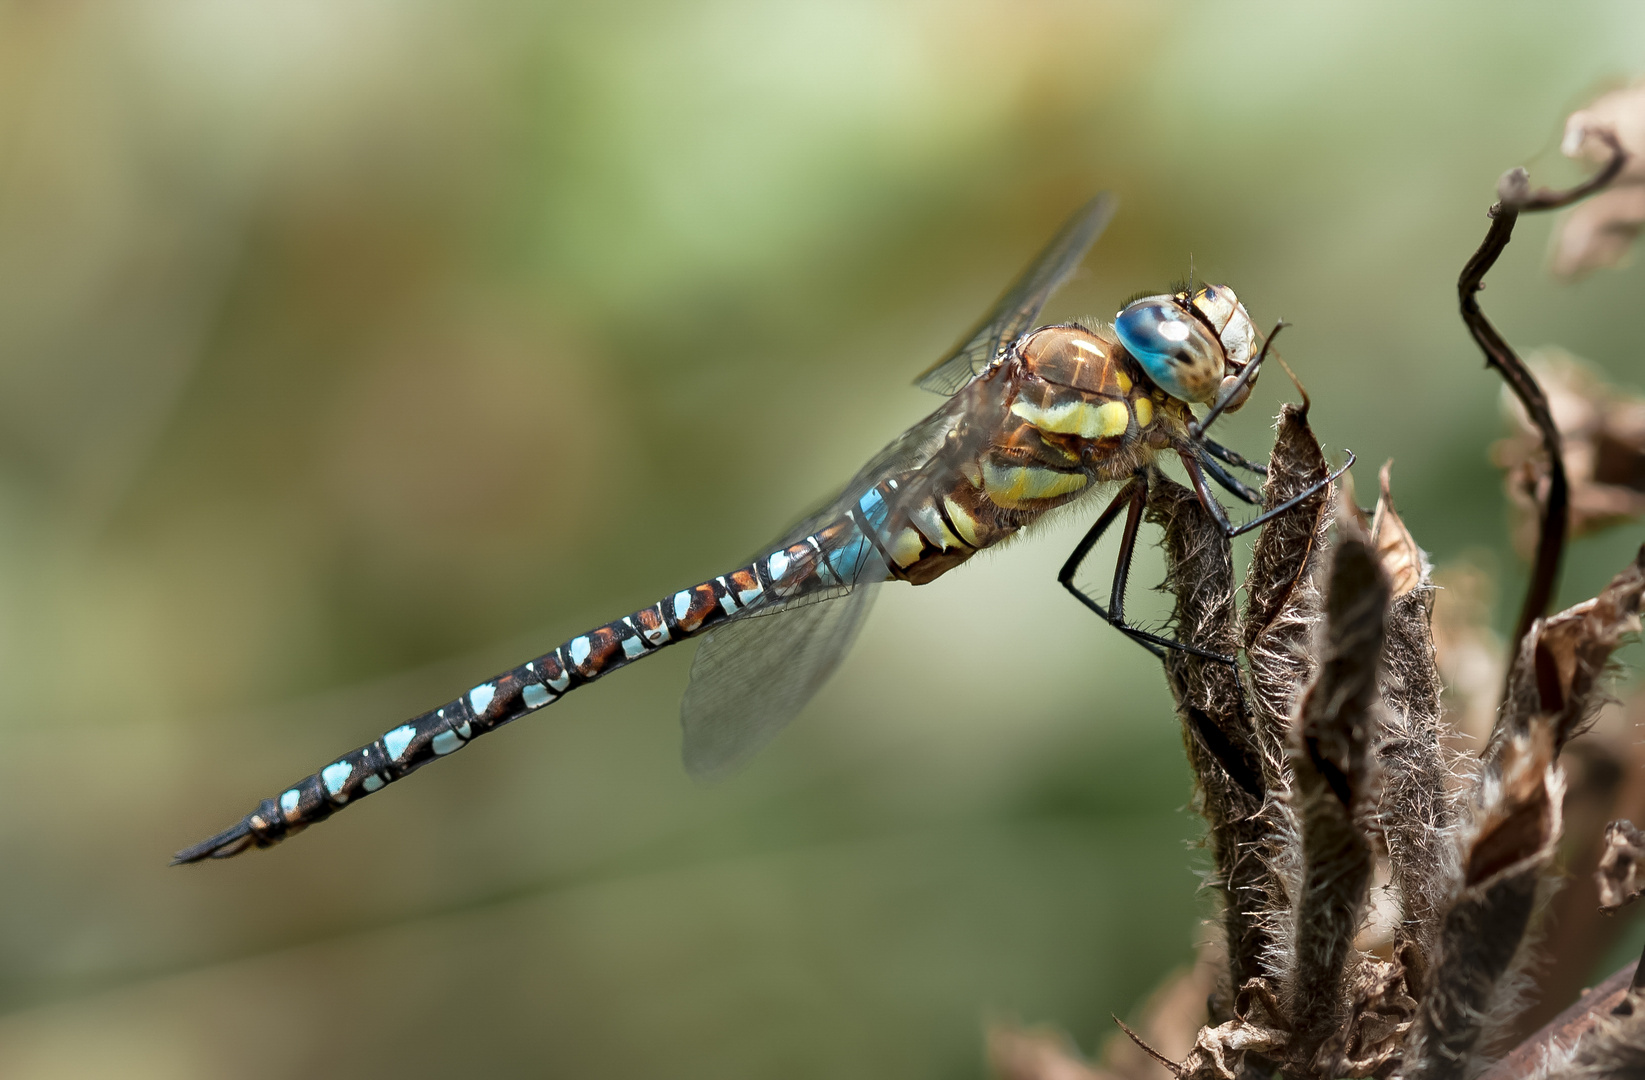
(1481, 942)
(1224, 750)
(1416, 805)
(1383, 1006)
(1257, 1028)
(1219, 1053)
(1621, 874)
(1402, 560)
(1602, 439)
(1281, 585)
(1330, 761)
(1598, 232)
(1560, 664)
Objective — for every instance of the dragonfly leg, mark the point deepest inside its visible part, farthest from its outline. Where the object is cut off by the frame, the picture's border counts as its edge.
(1233, 485)
(1192, 464)
(1132, 498)
(1233, 457)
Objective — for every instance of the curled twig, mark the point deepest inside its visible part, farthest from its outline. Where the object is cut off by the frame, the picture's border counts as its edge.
(1516, 196)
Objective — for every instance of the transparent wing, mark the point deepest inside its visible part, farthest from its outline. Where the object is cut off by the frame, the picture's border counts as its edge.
(754, 674)
(1014, 313)
(910, 450)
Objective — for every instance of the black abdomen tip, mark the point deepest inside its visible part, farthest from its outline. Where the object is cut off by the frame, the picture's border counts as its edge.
(225, 844)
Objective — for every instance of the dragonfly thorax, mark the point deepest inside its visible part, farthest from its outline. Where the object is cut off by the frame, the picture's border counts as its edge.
(1076, 357)
(1192, 345)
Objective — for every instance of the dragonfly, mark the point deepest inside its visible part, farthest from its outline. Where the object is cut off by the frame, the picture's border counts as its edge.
(1035, 418)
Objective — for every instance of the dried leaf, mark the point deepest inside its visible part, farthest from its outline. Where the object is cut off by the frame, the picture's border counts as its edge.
(1384, 1006)
(1482, 940)
(1256, 1028)
(1330, 760)
(1281, 586)
(1415, 807)
(1223, 747)
(1621, 874)
(1405, 564)
(1598, 232)
(1561, 661)
(1219, 1053)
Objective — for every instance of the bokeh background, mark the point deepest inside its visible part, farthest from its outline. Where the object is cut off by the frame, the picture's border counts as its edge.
(352, 351)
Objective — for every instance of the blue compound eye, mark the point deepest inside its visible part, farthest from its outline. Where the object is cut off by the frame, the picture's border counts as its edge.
(1176, 351)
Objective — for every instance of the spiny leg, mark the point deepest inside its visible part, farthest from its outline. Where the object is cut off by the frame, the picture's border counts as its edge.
(1220, 516)
(1231, 483)
(1233, 457)
(1203, 449)
(1133, 497)
(1208, 449)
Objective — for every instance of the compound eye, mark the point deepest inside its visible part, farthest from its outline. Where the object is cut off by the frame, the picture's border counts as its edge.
(1176, 351)
(1218, 304)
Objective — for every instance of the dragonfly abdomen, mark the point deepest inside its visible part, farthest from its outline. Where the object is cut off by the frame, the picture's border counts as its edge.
(824, 560)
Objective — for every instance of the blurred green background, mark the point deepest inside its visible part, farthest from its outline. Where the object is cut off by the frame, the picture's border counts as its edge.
(353, 351)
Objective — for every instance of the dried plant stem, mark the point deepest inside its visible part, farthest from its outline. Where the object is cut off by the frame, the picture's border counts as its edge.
(1330, 760)
(1564, 1031)
(1514, 197)
(1222, 744)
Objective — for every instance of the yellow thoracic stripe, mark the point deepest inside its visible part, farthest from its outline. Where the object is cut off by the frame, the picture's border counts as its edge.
(1077, 418)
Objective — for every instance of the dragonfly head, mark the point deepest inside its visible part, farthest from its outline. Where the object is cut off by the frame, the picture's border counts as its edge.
(1192, 345)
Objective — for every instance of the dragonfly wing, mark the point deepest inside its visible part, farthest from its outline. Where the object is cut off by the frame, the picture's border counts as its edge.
(753, 675)
(1015, 312)
(910, 450)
